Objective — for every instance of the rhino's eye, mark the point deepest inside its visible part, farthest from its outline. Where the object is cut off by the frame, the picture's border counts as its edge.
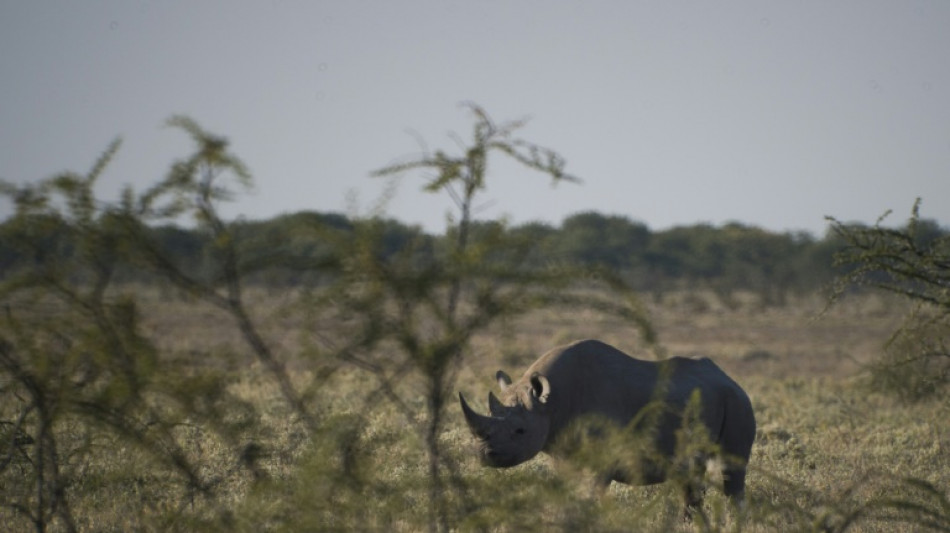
(519, 431)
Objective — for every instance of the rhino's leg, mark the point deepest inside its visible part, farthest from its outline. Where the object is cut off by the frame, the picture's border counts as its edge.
(734, 483)
(694, 500)
(737, 436)
(695, 488)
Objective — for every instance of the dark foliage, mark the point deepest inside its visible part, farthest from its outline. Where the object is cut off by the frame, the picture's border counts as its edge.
(281, 251)
(913, 262)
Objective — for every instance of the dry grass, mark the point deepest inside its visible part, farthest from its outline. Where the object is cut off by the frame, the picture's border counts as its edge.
(826, 447)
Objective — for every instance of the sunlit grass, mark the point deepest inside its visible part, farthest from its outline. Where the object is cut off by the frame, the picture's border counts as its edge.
(830, 452)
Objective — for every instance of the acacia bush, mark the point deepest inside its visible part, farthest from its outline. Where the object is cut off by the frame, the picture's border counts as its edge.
(411, 313)
(79, 369)
(912, 262)
(82, 381)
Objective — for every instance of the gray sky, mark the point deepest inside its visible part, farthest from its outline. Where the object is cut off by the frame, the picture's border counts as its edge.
(773, 114)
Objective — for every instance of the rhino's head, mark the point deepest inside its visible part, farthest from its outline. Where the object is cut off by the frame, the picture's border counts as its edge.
(517, 427)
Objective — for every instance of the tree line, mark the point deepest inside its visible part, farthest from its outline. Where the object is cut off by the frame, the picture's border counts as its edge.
(727, 258)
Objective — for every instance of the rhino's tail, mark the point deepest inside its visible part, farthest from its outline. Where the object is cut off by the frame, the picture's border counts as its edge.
(735, 440)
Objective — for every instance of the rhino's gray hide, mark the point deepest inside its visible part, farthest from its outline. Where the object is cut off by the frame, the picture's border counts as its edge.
(590, 380)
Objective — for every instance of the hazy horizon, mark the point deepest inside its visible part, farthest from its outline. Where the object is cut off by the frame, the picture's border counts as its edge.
(769, 115)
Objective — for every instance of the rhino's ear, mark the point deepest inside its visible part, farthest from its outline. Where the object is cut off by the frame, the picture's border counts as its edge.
(540, 387)
(503, 380)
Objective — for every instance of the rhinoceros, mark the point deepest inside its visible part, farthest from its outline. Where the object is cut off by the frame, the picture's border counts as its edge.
(591, 380)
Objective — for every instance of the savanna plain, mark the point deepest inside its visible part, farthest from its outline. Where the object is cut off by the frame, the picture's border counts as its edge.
(831, 453)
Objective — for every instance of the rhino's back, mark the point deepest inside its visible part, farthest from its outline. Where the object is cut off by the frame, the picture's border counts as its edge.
(591, 377)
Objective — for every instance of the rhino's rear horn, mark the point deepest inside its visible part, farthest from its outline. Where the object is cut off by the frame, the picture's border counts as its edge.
(479, 424)
(495, 407)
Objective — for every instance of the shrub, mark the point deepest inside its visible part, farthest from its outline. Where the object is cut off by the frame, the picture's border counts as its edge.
(914, 262)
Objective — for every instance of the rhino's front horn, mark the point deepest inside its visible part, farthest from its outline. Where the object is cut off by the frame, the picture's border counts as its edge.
(479, 424)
